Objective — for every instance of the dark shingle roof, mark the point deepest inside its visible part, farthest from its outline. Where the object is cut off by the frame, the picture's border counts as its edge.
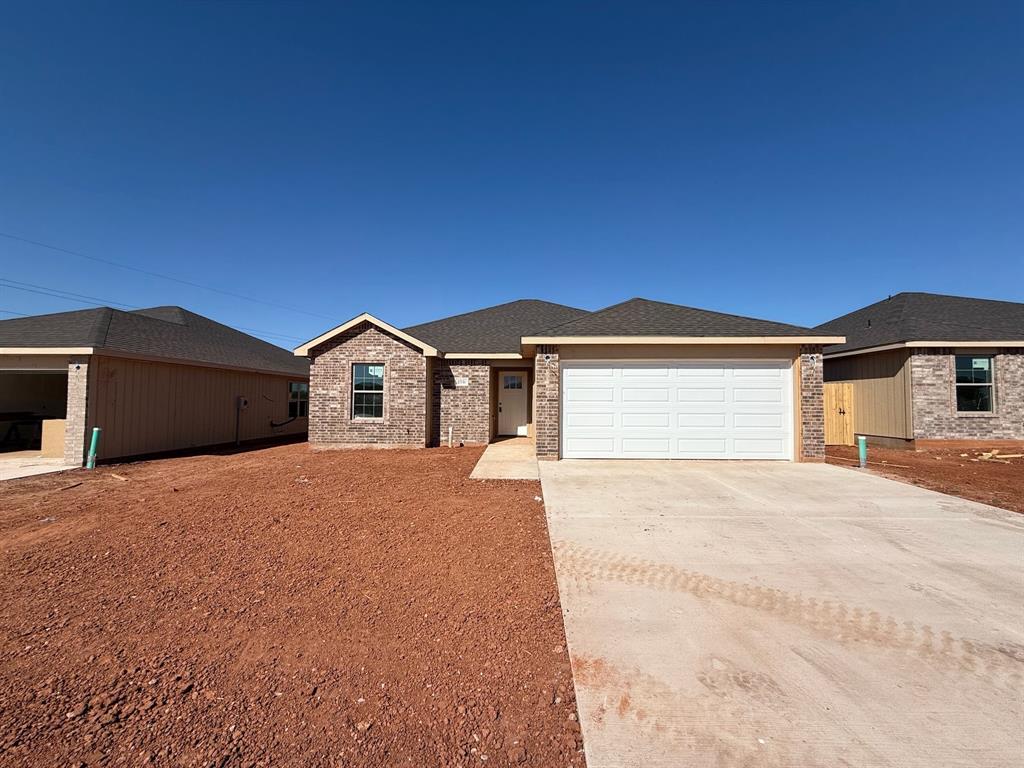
(927, 317)
(643, 317)
(494, 329)
(167, 332)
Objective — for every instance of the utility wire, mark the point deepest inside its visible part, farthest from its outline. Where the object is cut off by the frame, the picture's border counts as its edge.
(179, 280)
(12, 312)
(45, 291)
(93, 301)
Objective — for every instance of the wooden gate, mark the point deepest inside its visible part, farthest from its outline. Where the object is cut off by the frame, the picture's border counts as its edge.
(838, 413)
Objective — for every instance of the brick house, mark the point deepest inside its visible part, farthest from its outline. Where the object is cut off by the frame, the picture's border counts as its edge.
(640, 379)
(926, 367)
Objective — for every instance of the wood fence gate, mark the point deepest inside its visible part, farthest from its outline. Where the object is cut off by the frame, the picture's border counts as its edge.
(838, 413)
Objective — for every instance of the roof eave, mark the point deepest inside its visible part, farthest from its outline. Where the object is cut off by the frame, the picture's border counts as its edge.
(46, 350)
(684, 340)
(905, 344)
(483, 355)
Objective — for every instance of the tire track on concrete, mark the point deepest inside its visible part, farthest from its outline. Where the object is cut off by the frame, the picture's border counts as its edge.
(999, 663)
(741, 719)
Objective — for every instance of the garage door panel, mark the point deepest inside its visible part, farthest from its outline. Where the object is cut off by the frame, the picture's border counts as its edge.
(759, 395)
(645, 394)
(646, 419)
(587, 372)
(591, 394)
(590, 419)
(759, 446)
(596, 445)
(685, 409)
(697, 420)
(755, 420)
(703, 395)
(700, 447)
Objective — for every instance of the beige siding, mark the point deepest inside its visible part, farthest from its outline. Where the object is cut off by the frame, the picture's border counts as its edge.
(881, 391)
(147, 407)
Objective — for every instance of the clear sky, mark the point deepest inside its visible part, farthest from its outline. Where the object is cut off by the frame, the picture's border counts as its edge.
(784, 160)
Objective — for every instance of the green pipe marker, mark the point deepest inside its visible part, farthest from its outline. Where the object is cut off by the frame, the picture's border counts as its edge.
(90, 463)
(862, 450)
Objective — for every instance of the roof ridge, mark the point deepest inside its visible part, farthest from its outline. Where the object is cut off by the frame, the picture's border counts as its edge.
(592, 313)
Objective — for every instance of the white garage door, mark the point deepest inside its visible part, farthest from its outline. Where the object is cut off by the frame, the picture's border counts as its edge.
(677, 410)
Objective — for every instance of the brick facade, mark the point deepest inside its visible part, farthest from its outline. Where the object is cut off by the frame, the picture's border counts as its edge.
(466, 409)
(812, 404)
(934, 398)
(75, 438)
(547, 399)
(331, 422)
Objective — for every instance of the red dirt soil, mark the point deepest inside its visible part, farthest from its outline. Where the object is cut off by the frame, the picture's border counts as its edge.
(282, 607)
(947, 470)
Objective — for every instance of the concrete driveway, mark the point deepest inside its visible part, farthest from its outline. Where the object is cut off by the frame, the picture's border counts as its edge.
(775, 614)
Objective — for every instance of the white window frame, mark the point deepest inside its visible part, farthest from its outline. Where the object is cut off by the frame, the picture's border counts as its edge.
(382, 392)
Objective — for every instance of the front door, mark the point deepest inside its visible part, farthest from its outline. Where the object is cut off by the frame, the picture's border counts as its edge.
(512, 403)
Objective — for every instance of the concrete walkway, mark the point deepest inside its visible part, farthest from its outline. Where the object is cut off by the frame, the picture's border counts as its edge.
(776, 614)
(26, 464)
(511, 458)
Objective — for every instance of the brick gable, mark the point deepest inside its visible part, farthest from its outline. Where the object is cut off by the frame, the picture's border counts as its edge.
(331, 423)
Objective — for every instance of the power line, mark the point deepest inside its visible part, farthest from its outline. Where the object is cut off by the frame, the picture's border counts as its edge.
(162, 276)
(68, 295)
(12, 312)
(96, 302)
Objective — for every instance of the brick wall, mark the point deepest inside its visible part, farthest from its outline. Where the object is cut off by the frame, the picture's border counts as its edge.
(812, 404)
(934, 398)
(466, 409)
(75, 439)
(330, 390)
(547, 396)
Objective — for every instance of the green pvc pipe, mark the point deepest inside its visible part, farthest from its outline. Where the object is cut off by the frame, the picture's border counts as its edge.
(862, 450)
(94, 446)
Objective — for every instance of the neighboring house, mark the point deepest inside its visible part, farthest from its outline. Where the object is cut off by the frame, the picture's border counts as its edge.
(640, 379)
(929, 367)
(154, 380)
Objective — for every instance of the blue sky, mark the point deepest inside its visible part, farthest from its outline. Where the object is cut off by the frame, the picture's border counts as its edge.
(784, 160)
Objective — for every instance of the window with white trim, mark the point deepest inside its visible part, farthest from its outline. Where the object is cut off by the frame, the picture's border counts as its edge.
(974, 384)
(368, 391)
(298, 399)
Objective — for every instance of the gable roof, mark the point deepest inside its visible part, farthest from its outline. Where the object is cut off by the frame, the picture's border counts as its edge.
(304, 349)
(637, 318)
(494, 330)
(928, 317)
(169, 333)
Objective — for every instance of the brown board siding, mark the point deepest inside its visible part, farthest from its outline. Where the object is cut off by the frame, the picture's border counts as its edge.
(881, 391)
(148, 407)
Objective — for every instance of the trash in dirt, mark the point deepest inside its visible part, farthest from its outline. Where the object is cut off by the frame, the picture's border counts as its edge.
(69, 487)
(116, 476)
(301, 479)
(537, 498)
(48, 520)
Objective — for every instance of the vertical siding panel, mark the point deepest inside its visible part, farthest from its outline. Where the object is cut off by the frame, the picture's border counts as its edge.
(147, 407)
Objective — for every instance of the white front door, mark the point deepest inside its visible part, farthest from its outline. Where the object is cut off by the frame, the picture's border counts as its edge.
(676, 409)
(512, 402)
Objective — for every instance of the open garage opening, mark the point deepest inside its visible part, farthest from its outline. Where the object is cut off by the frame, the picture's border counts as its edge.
(33, 411)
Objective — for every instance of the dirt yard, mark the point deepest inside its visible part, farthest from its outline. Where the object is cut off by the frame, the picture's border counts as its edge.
(956, 471)
(281, 607)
